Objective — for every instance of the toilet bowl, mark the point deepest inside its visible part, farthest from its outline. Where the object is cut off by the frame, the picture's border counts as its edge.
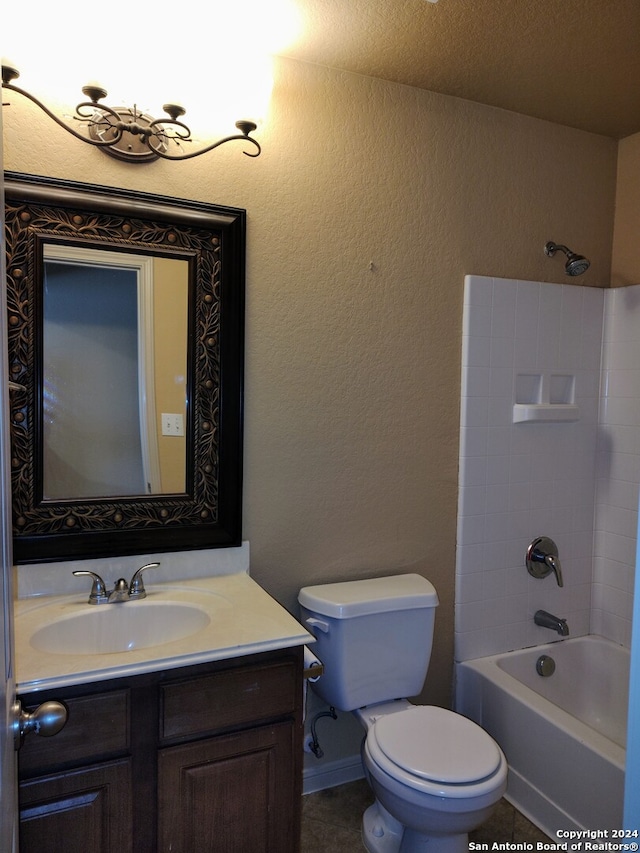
(436, 775)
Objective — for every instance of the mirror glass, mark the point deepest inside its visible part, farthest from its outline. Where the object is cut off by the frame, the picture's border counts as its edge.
(126, 343)
(114, 373)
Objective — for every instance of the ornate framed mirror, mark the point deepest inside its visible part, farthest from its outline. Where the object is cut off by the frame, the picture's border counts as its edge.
(126, 342)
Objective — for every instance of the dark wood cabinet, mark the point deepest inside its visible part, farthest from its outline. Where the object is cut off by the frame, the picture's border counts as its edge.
(78, 811)
(229, 793)
(205, 758)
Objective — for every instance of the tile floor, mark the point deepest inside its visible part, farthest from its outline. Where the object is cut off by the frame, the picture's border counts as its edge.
(331, 821)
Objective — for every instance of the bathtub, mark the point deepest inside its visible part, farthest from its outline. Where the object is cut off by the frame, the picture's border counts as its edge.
(563, 735)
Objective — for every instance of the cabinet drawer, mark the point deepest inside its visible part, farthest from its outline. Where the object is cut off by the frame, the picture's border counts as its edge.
(97, 727)
(229, 698)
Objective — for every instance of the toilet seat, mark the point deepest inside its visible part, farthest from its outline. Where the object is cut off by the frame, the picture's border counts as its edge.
(436, 751)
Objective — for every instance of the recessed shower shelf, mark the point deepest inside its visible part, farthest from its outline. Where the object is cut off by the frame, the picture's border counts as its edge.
(545, 413)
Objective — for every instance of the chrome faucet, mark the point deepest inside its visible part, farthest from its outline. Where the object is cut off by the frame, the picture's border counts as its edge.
(542, 559)
(122, 591)
(548, 620)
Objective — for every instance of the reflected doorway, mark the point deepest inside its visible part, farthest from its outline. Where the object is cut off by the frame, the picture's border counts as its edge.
(105, 344)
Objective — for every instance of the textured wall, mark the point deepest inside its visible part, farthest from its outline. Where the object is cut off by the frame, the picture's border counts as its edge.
(625, 267)
(369, 204)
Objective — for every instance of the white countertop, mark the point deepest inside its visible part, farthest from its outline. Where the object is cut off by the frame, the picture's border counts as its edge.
(243, 620)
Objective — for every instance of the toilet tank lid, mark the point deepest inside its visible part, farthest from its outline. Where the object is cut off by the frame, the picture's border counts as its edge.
(374, 595)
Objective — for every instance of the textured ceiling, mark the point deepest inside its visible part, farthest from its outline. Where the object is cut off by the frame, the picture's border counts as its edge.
(574, 62)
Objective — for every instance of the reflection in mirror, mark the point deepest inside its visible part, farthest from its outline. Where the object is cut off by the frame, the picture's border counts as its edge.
(126, 409)
(114, 373)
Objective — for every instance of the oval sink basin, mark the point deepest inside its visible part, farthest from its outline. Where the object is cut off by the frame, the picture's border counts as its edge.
(110, 628)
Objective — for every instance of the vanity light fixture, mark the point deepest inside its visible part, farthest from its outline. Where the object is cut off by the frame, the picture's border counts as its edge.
(128, 134)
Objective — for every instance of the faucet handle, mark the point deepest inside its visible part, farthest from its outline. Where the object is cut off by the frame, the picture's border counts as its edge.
(136, 587)
(542, 559)
(98, 594)
(554, 561)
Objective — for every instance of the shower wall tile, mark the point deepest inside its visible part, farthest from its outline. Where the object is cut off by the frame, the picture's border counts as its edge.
(618, 467)
(577, 483)
(520, 481)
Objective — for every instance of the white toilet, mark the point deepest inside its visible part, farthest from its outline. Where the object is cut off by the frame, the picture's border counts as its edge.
(436, 775)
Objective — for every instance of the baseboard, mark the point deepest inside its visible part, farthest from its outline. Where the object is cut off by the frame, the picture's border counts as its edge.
(332, 773)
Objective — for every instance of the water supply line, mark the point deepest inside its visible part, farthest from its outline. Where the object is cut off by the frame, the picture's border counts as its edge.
(312, 744)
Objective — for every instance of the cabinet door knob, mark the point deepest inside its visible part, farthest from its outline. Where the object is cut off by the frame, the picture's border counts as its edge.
(47, 720)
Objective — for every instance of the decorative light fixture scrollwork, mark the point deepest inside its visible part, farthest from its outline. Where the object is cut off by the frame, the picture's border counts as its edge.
(128, 134)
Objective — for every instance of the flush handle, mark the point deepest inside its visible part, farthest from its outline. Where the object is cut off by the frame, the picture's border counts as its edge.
(47, 720)
(319, 624)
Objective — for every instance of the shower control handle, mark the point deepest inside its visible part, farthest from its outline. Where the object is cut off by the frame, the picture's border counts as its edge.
(542, 559)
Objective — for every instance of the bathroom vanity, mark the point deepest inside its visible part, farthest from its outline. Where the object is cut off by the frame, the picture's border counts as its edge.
(184, 728)
(163, 749)
(193, 759)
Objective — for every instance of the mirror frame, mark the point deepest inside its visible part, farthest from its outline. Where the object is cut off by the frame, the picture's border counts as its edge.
(212, 239)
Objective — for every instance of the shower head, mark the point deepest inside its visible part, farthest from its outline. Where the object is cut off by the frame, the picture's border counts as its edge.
(576, 264)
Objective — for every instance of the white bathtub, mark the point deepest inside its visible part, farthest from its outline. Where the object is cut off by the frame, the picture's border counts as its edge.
(563, 735)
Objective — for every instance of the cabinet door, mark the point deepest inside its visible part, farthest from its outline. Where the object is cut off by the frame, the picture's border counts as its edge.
(81, 811)
(230, 794)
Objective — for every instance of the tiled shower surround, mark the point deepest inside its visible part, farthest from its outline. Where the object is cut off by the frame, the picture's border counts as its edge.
(565, 358)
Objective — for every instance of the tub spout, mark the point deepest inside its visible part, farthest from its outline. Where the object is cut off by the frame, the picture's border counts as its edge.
(548, 620)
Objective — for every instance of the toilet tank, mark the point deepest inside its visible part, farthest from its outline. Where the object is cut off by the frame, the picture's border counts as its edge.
(373, 636)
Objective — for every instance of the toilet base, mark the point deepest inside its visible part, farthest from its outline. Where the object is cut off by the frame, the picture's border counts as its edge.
(382, 833)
